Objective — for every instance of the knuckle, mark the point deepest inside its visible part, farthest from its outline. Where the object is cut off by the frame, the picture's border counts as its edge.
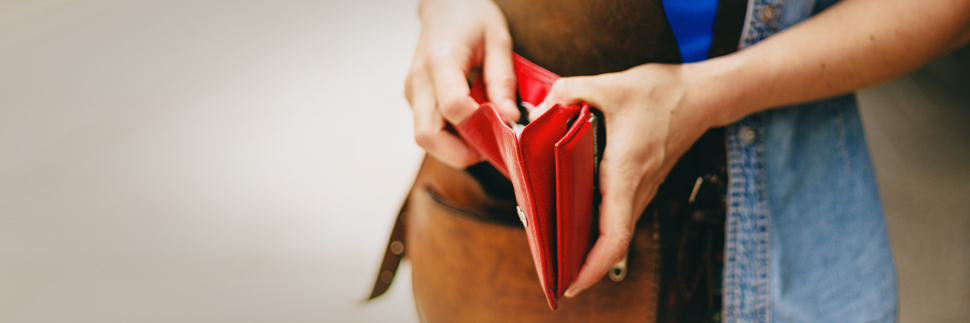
(652, 165)
(450, 107)
(558, 84)
(501, 38)
(455, 161)
(561, 87)
(423, 137)
(623, 238)
(413, 82)
(440, 54)
(417, 66)
(409, 90)
(504, 82)
(467, 161)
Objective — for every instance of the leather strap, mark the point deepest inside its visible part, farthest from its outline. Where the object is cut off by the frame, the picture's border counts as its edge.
(392, 255)
(493, 184)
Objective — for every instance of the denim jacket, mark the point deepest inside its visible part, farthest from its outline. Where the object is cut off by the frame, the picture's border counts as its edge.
(806, 238)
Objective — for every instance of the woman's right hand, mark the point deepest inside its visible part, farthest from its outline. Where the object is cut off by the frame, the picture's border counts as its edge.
(456, 38)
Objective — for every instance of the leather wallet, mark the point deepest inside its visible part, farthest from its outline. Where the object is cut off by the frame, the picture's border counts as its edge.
(552, 165)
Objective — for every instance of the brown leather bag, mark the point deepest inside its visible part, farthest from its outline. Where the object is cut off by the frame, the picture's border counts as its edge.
(471, 262)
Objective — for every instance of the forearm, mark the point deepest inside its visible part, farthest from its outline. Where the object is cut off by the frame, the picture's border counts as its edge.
(854, 44)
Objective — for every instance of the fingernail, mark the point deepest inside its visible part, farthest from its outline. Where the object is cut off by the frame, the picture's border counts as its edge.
(571, 292)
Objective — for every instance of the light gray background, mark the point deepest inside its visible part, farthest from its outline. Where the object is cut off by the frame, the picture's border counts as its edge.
(241, 161)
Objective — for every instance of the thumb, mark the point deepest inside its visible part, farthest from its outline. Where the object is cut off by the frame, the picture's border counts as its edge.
(567, 90)
(616, 224)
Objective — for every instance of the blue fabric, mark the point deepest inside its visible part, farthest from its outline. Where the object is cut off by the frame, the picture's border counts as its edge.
(806, 238)
(693, 24)
(830, 245)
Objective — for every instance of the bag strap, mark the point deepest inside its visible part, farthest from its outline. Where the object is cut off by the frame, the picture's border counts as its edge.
(394, 252)
(392, 255)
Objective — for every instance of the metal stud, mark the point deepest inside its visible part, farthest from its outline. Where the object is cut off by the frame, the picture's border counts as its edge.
(747, 135)
(397, 247)
(387, 276)
(618, 271)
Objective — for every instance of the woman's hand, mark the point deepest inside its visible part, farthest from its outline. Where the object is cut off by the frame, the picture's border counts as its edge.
(653, 114)
(456, 38)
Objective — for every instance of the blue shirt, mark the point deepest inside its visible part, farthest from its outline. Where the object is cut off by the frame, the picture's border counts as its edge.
(806, 237)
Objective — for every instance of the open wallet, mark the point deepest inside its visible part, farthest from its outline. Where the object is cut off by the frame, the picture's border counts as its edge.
(552, 163)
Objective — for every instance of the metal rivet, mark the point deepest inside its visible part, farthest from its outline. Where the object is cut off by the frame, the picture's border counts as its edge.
(397, 247)
(767, 13)
(522, 217)
(387, 277)
(618, 271)
(747, 135)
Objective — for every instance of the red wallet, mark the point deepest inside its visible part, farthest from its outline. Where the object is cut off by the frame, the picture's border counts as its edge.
(552, 166)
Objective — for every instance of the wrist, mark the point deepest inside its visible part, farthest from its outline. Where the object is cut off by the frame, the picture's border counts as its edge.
(721, 90)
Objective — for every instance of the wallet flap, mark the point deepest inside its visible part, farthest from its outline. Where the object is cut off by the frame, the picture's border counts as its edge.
(537, 144)
(574, 193)
(532, 82)
(543, 163)
(485, 132)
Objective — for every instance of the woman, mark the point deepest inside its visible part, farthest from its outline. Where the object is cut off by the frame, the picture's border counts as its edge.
(806, 241)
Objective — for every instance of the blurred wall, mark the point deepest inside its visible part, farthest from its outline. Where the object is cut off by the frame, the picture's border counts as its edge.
(918, 128)
(202, 160)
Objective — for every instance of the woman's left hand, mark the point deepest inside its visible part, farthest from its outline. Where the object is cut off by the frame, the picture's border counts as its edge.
(653, 114)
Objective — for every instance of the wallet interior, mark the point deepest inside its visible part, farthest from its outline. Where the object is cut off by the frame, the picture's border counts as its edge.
(551, 165)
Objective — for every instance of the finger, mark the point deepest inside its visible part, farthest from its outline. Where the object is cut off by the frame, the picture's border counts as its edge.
(568, 90)
(616, 223)
(413, 79)
(451, 90)
(429, 127)
(499, 74)
(447, 148)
